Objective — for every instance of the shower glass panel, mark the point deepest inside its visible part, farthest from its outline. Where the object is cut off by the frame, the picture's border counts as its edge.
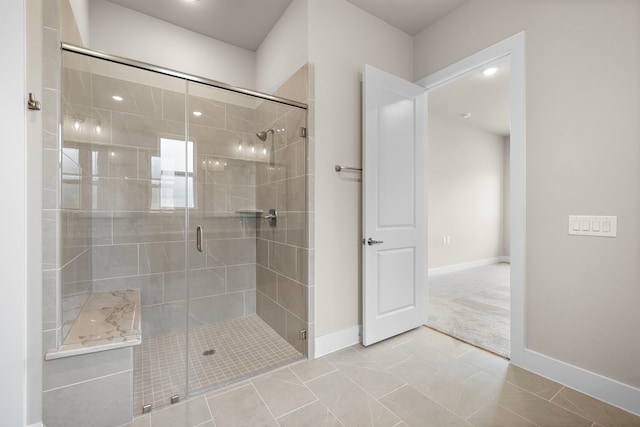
(124, 187)
(196, 196)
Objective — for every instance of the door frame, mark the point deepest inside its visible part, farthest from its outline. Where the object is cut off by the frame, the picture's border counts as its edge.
(514, 49)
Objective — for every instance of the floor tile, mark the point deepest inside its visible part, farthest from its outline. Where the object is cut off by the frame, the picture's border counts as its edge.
(422, 351)
(310, 369)
(240, 407)
(352, 405)
(537, 410)
(142, 421)
(497, 416)
(416, 409)
(595, 410)
(531, 382)
(312, 415)
(469, 396)
(382, 353)
(368, 374)
(486, 361)
(189, 413)
(283, 392)
(444, 343)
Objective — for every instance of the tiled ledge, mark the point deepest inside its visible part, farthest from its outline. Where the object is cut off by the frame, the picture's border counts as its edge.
(108, 320)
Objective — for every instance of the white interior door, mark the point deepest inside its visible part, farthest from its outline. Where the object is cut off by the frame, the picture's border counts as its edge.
(394, 214)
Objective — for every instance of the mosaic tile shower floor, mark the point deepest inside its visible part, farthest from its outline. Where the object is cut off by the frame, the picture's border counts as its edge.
(242, 347)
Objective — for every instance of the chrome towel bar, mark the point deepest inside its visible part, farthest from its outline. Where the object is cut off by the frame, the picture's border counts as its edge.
(347, 168)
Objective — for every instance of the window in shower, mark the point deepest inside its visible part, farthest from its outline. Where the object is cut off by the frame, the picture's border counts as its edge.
(172, 175)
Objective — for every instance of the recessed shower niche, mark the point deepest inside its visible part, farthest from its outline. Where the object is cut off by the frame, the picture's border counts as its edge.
(193, 193)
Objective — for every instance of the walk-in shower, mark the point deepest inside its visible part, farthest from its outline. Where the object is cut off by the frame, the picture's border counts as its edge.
(164, 190)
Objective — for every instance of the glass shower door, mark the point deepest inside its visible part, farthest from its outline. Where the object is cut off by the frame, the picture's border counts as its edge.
(247, 166)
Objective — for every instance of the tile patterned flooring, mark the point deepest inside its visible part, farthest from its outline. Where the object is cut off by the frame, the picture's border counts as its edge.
(242, 347)
(420, 378)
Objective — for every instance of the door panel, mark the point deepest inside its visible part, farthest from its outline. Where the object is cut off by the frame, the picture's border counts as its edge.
(394, 215)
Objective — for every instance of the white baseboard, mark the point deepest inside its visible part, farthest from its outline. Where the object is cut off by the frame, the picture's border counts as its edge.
(337, 341)
(467, 265)
(36, 425)
(606, 389)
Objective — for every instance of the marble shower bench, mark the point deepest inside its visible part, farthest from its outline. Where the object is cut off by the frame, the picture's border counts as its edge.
(108, 320)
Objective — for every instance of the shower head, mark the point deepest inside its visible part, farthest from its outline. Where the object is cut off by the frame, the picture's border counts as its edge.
(262, 135)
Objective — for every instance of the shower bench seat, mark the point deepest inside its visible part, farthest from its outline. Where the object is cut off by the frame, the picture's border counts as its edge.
(108, 320)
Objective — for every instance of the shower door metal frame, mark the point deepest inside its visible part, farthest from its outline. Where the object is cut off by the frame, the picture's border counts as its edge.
(186, 76)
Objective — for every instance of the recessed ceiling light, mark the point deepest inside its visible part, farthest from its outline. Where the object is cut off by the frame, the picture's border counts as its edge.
(197, 113)
(465, 115)
(490, 71)
(117, 98)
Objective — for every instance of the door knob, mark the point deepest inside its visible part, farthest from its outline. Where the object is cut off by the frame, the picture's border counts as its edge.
(371, 242)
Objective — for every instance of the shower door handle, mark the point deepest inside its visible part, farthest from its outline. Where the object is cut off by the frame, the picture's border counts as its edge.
(199, 238)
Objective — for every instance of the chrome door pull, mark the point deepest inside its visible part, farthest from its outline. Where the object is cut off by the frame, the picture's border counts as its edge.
(371, 242)
(199, 238)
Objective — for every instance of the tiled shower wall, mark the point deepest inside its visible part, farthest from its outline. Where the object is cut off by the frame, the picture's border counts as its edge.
(283, 250)
(113, 193)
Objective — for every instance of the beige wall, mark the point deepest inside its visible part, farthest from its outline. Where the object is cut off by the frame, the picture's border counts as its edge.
(583, 157)
(285, 49)
(466, 180)
(121, 31)
(342, 38)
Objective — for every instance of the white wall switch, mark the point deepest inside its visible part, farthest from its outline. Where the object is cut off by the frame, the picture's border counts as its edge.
(599, 226)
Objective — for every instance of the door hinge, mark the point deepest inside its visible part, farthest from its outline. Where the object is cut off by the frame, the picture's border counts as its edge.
(303, 132)
(32, 104)
(303, 335)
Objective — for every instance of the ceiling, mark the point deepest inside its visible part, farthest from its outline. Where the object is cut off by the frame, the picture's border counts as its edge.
(245, 23)
(486, 98)
(410, 16)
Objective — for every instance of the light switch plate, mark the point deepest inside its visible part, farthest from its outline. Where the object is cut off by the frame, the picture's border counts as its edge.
(598, 226)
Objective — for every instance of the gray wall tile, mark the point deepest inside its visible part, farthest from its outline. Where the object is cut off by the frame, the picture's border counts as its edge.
(241, 277)
(70, 370)
(282, 259)
(215, 308)
(146, 227)
(231, 252)
(150, 285)
(163, 318)
(273, 314)
(292, 296)
(114, 261)
(104, 402)
(249, 303)
(266, 282)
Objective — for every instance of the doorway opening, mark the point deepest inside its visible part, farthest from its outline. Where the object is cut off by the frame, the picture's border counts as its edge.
(468, 209)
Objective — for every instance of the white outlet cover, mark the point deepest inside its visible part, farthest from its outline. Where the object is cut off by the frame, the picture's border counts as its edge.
(594, 226)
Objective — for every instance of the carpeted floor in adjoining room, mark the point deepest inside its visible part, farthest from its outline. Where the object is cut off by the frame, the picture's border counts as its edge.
(474, 306)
